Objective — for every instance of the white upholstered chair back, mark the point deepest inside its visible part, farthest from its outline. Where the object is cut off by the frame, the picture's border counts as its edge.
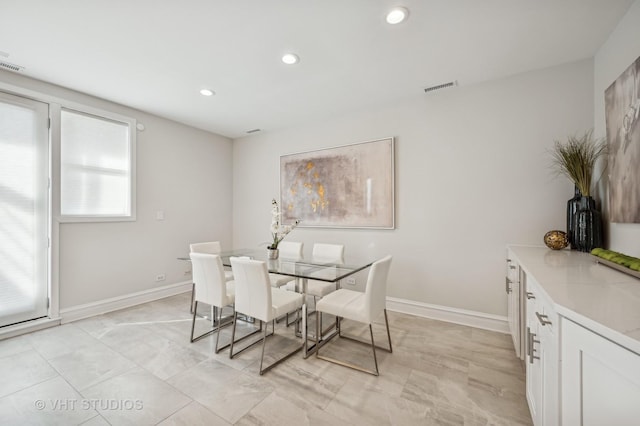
(211, 247)
(290, 250)
(253, 288)
(376, 289)
(330, 253)
(209, 279)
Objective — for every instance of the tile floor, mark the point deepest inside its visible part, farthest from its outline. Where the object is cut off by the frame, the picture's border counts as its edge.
(136, 366)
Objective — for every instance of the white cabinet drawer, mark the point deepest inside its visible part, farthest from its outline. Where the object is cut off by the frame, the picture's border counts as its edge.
(600, 380)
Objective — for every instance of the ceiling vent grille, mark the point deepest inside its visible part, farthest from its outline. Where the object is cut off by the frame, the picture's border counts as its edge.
(441, 86)
(11, 67)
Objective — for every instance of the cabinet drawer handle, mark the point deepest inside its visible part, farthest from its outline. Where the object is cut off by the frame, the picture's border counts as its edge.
(530, 295)
(531, 340)
(544, 319)
(507, 286)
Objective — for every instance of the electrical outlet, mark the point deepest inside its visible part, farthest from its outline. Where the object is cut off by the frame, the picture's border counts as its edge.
(161, 277)
(351, 281)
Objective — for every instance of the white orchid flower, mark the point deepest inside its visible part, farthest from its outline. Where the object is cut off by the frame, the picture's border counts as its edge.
(278, 231)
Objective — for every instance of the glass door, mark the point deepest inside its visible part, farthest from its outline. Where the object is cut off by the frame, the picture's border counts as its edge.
(24, 209)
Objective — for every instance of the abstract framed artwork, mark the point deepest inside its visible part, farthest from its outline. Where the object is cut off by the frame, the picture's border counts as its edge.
(349, 186)
(622, 111)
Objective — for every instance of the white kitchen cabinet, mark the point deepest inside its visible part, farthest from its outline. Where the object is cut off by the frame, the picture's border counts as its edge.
(515, 313)
(600, 380)
(542, 356)
(582, 338)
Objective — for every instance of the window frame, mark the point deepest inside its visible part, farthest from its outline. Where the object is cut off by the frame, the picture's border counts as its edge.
(108, 116)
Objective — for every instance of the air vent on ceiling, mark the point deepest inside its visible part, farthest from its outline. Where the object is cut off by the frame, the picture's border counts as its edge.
(10, 66)
(441, 86)
(253, 131)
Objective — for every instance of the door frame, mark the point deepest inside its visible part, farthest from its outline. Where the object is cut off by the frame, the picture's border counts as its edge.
(53, 312)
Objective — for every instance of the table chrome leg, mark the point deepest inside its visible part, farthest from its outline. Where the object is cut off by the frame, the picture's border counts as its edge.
(192, 309)
(304, 329)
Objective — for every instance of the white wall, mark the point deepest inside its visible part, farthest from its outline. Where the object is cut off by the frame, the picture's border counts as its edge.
(472, 174)
(617, 53)
(182, 171)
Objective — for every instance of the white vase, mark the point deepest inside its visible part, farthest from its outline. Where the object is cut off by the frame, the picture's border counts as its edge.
(273, 253)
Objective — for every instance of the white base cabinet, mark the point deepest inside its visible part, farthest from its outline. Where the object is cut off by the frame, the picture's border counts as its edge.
(542, 356)
(582, 346)
(515, 314)
(600, 380)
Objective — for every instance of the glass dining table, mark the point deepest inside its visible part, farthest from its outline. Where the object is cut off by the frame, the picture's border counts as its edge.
(302, 270)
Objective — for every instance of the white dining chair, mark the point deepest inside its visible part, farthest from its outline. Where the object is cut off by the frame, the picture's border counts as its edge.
(209, 247)
(289, 250)
(332, 254)
(211, 288)
(256, 298)
(322, 253)
(358, 306)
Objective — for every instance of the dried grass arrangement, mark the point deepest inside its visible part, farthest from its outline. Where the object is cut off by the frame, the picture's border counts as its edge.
(576, 159)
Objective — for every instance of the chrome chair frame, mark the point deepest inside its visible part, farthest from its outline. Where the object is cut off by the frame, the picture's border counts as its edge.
(255, 296)
(263, 340)
(213, 330)
(321, 342)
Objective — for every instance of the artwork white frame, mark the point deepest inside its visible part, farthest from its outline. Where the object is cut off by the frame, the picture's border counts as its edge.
(349, 186)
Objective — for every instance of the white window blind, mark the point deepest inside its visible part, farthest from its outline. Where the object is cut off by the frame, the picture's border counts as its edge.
(23, 209)
(96, 166)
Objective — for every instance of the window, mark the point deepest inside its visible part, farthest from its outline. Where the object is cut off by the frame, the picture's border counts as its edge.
(97, 173)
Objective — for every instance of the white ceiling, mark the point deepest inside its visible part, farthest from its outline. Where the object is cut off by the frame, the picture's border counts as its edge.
(155, 55)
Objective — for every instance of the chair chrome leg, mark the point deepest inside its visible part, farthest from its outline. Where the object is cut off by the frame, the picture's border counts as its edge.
(233, 333)
(386, 320)
(193, 323)
(193, 297)
(264, 343)
(219, 327)
(284, 358)
(214, 328)
(314, 305)
(259, 330)
(372, 344)
(292, 322)
(373, 347)
(318, 328)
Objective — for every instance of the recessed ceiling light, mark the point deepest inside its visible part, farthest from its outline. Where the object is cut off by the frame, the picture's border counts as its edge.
(207, 92)
(290, 58)
(397, 15)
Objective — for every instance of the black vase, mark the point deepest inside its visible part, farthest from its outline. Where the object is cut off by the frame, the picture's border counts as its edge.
(572, 209)
(587, 231)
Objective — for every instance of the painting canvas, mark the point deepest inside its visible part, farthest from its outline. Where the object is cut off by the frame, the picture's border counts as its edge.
(622, 109)
(350, 186)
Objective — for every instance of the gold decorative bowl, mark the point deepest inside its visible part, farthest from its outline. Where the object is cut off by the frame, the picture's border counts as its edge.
(556, 240)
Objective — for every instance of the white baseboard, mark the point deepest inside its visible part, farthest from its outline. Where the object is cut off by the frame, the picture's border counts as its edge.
(27, 327)
(444, 313)
(437, 312)
(75, 313)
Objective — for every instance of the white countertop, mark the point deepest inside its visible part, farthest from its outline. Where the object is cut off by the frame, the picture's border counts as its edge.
(593, 295)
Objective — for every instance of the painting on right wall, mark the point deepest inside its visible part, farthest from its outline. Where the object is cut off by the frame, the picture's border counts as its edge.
(622, 111)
